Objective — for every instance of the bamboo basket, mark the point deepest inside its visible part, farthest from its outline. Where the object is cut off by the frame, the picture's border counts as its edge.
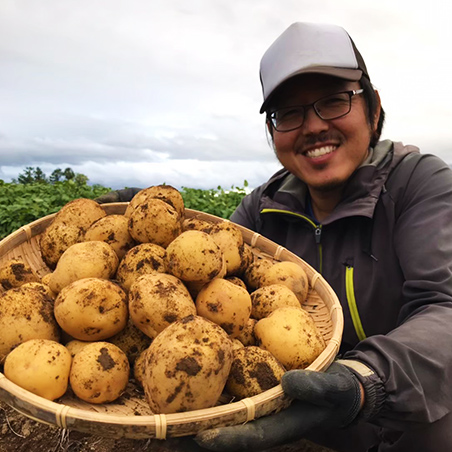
(130, 416)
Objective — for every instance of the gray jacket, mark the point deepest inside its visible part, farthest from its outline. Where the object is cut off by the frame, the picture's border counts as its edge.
(386, 250)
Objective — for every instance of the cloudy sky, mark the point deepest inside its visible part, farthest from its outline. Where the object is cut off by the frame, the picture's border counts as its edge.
(144, 92)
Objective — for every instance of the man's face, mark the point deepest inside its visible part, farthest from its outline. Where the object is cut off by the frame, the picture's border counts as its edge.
(323, 154)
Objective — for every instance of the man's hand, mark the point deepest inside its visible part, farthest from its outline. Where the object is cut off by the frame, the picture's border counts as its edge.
(111, 196)
(331, 399)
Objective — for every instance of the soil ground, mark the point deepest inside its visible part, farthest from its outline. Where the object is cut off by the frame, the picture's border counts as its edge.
(21, 434)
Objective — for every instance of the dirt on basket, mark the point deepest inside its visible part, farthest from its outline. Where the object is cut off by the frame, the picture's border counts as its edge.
(21, 434)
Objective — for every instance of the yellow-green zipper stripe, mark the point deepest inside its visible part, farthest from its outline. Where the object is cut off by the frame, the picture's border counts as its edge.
(288, 212)
(349, 288)
(314, 225)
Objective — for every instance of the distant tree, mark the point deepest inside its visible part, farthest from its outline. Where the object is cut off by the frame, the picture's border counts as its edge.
(56, 176)
(27, 176)
(80, 179)
(39, 176)
(68, 174)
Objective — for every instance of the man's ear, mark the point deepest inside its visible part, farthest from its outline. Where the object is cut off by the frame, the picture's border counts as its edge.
(377, 112)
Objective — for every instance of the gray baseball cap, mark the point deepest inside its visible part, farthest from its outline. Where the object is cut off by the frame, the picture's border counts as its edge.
(310, 48)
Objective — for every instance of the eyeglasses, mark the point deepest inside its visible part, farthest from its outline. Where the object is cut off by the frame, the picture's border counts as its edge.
(329, 107)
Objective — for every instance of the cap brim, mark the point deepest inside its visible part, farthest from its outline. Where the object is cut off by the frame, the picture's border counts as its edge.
(347, 74)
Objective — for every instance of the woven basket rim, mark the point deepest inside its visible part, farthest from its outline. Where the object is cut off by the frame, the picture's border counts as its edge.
(156, 425)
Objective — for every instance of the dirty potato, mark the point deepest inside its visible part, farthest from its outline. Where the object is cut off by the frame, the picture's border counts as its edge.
(246, 336)
(229, 238)
(255, 271)
(291, 275)
(140, 260)
(99, 373)
(15, 273)
(67, 228)
(40, 366)
(165, 193)
(194, 256)
(253, 371)
(291, 335)
(157, 300)
(186, 366)
(197, 224)
(131, 341)
(114, 230)
(25, 313)
(91, 309)
(155, 222)
(268, 298)
(225, 304)
(84, 260)
(44, 288)
(74, 346)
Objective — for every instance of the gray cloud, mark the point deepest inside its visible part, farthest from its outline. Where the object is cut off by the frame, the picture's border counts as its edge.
(108, 87)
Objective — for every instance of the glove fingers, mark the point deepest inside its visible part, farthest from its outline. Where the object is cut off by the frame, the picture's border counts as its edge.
(323, 389)
(286, 426)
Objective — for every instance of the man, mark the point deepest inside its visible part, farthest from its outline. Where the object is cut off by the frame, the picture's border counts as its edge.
(375, 218)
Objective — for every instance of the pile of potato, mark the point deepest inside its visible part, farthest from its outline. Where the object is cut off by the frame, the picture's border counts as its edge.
(182, 306)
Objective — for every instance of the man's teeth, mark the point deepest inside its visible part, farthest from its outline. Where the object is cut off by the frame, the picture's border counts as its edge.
(320, 151)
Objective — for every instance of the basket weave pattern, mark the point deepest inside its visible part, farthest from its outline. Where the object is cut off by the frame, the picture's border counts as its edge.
(130, 415)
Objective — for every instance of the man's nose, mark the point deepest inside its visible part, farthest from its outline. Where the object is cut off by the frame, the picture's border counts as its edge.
(312, 122)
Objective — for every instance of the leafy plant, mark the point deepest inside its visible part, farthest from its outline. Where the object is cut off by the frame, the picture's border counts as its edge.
(22, 203)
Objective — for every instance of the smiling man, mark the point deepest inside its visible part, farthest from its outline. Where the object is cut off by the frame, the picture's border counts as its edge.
(375, 219)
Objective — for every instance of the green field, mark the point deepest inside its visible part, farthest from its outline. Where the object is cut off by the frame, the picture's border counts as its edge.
(21, 203)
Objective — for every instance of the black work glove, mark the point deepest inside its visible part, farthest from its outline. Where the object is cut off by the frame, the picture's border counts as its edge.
(124, 195)
(328, 400)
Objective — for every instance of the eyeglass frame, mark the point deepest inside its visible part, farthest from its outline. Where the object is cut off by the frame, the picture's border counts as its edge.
(351, 93)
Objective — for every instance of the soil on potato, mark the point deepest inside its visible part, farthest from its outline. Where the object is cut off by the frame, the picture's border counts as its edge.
(21, 434)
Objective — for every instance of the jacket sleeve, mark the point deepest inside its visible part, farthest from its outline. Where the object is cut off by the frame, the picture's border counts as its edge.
(413, 363)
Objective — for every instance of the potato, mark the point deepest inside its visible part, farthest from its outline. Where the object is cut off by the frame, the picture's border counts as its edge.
(253, 371)
(138, 368)
(99, 373)
(229, 238)
(291, 275)
(225, 304)
(268, 298)
(67, 228)
(246, 336)
(140, 260)
(194, 287)
(291, 335)
(82, 212)
(44, 288)
(237, 281)
(131, 341)
(114, 230)
(155, 222)
(84, 260)
(74, 346)
(194, 256)
(165, 193)
(16, 272)
(40, 366)
(236, 344)
(25, 313)
(186, 366)
(197, 224)
(157, 300)
(255, 271)
(91, 309)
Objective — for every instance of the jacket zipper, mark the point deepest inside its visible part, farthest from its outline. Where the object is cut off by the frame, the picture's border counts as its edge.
(317, 231)
(353, 307)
